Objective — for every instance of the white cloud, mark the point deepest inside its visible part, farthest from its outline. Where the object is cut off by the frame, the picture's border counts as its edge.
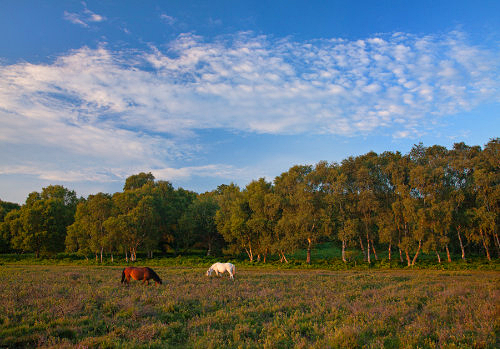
(74, 18)
(83, 18)
(167, 19)
(214, 170)
(402, 134)
(56, 175)
(139, 110)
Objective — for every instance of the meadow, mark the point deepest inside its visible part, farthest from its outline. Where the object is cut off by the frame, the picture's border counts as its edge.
(86, 307)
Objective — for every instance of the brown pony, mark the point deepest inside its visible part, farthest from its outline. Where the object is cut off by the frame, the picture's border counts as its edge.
(144, 274)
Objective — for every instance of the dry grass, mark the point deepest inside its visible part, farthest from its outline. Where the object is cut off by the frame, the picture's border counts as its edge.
(58, 306)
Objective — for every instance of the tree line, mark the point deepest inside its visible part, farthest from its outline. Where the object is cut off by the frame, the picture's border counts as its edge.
(431, 200)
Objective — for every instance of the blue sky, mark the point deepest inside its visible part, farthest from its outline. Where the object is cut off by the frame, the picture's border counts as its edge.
(203, 93)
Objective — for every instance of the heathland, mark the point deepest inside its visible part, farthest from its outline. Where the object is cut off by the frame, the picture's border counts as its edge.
(87, 306)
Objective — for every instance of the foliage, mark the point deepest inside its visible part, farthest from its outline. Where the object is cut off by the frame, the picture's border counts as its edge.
(40, 225)
(429, 202)
(198, 225)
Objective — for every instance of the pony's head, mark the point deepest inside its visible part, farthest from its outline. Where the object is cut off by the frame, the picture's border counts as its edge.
(155, 276)
(209, 272)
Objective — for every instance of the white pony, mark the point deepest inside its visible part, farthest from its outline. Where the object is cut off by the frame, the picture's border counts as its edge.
(221, 268)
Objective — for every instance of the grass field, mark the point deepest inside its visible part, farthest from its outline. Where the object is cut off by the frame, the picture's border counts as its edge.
(69, 306)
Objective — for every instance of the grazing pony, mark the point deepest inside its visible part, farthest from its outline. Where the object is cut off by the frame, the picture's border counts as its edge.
(144, 274)
(221, 268)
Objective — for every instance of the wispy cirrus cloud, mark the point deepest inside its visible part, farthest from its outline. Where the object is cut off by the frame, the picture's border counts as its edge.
(84, 17)
(167, 19)
(212, 170)
(141, 110)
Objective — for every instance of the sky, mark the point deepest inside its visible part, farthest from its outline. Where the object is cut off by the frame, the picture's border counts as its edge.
(204, 93)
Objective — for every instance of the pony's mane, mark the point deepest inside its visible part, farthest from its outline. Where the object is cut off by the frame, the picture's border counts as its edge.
(155, 276)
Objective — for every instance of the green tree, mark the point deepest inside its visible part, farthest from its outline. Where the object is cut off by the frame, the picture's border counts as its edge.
(462, 196)
(138, 181)
(172, 211)
(198, 224)
(368, 184)
(44, 218)
(170, 204)
(9, 227)
(404, 208)
(6, 207)
(264, 213)
(231, 219)
(135, 221)
(487, 190)
(78, 236)
(88, 232)
(390, 224)
(302, 214)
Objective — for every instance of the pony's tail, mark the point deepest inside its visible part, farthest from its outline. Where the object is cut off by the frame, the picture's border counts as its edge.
(123, 275)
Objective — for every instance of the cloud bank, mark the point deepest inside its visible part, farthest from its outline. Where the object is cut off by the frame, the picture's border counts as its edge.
(129, 110)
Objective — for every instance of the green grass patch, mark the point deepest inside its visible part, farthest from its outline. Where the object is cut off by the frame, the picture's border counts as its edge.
(324, 256)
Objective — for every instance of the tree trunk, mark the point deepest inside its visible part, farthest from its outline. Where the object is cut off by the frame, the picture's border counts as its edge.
(416, 254)
(485, 245)
(283, 258)
(112, 260)
(368, 249)
(308, 258)
(249, 253)
(101, 253)
(362, 247)
(497, 243)
(461, 243)
(343, 251)
(126, 256)
(96, 257)
(374, 252)
(389, 251)
(407, 256)
(209, 252)
(400, 254)
(448, 253)
(439, 257)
